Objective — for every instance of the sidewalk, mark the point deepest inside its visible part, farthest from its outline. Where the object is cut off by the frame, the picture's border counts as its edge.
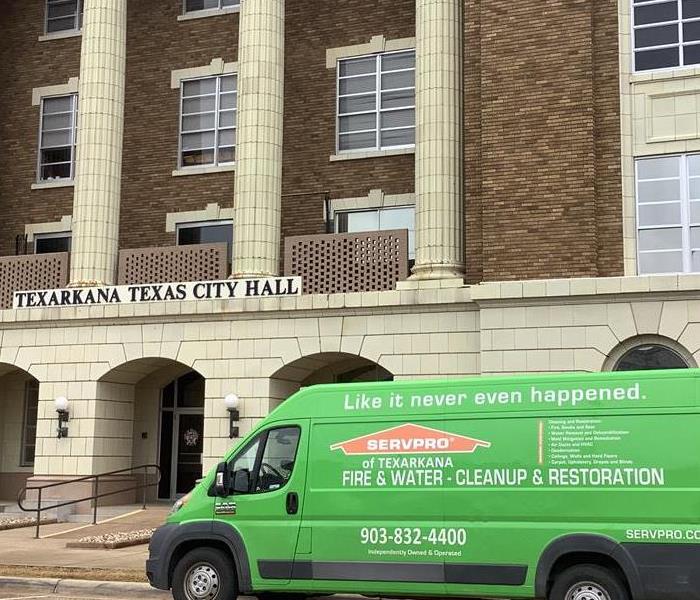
(22, 555)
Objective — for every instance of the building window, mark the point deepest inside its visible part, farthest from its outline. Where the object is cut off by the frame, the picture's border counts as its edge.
(650, 356)
(197, 5)
(376, 102)
(31, 407)
(47, 243)
(379, 219)
(59, 118)
(211, 232)
(668, 214)
(208, 122)
(666, 33)
(64, 15)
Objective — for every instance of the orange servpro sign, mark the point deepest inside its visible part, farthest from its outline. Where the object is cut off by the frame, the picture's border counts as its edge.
(410, 439)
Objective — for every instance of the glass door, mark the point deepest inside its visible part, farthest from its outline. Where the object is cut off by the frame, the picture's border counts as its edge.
(190, 444)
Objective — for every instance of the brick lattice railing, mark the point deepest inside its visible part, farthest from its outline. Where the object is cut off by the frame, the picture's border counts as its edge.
(199, 262)
(31, 272)
(348, 262)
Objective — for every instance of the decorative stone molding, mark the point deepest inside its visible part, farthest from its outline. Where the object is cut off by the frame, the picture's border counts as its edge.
(212, 12)
(375, 199)
(55, 90)
(376, 44)
(351, 155)
(59, 35)
(187, 171)
(642, 340)
(216, 67)
(213, 212)
(62, 226)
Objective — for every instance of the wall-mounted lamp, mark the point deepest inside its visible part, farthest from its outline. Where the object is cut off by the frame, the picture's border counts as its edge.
(232, 403)
(61, 404)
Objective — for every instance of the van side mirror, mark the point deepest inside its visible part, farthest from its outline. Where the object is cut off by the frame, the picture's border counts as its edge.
(241, 481)
(222, 483)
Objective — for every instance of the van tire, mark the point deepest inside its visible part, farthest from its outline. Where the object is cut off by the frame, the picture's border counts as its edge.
(588, 582)
(204, 574)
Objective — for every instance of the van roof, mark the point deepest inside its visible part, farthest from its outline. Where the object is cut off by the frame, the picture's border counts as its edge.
(551, 393)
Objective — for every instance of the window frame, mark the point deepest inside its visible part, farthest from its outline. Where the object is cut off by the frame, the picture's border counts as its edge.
(29, 386)
(78, 16)
(263, 436)
(220, 8)
(686, 223)
(377, 102)
(378, 210)
(74, 138)
(52, 236)
(216, 130)
(680, 44)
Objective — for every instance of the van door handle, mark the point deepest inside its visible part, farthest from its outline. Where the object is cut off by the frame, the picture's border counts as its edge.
(292, 503)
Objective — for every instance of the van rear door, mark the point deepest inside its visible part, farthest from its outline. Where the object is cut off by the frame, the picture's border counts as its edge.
(268, 478)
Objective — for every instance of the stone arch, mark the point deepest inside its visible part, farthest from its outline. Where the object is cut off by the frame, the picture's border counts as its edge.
(19, 410)
(649, 341)
(132, 416)
(324, 367)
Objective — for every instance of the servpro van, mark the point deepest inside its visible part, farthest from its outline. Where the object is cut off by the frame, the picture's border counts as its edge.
(569, 487)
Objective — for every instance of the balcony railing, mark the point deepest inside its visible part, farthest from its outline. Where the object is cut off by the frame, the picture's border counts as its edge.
(200, 262)
(327, 264)
(31, 272)
(348, 262)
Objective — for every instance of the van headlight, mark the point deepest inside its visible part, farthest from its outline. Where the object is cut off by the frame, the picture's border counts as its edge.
(180, 503)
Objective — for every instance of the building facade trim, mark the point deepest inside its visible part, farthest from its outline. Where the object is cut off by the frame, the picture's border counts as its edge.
(358, 155)
(375, 199)
(62, 226)
(216, 67)
(212, 212)
(377, 43)
(63, 89)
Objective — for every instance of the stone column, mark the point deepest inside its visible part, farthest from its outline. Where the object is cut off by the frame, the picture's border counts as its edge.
(439, 158)
(95, 244)
(258, 192)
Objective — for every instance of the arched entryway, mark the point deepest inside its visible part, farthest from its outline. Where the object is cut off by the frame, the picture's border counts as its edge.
(19, 402)
(167, 419)
(327, 367)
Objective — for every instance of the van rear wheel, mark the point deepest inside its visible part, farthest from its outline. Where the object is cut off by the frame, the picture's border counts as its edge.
(588, 582)
(204, 574)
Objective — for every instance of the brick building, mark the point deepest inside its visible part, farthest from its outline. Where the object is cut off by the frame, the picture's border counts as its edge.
(463, 187)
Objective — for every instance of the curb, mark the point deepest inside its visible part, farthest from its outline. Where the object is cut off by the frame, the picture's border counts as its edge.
(107, 545)
(79, 587)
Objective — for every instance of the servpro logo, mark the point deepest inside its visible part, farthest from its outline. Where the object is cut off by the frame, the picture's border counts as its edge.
(410, 439)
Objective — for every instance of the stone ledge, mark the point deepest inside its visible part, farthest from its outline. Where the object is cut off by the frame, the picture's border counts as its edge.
(250, 306)
(603, 286)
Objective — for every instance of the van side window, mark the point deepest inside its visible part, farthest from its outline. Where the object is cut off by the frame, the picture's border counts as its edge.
(277, 461)
(268, 459)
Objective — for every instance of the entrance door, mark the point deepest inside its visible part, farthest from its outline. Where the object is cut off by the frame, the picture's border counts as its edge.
(181, 435)
(188, 453)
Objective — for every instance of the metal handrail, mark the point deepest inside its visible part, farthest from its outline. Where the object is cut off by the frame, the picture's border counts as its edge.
(21, 496)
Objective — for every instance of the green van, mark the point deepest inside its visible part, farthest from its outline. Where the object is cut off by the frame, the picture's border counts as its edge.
(568, 487)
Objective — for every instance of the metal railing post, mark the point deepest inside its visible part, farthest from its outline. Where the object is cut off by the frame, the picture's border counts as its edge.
(95, 490)
(38, 514)
(143, 483)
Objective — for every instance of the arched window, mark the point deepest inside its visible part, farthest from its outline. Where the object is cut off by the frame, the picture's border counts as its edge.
(650, 356)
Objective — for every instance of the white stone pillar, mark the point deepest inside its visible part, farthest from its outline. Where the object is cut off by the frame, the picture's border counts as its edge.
(95, 244)
(258, 191)
(439, 159)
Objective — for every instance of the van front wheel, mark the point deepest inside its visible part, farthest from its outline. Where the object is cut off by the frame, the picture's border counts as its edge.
(204, 574)
(588, 582)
